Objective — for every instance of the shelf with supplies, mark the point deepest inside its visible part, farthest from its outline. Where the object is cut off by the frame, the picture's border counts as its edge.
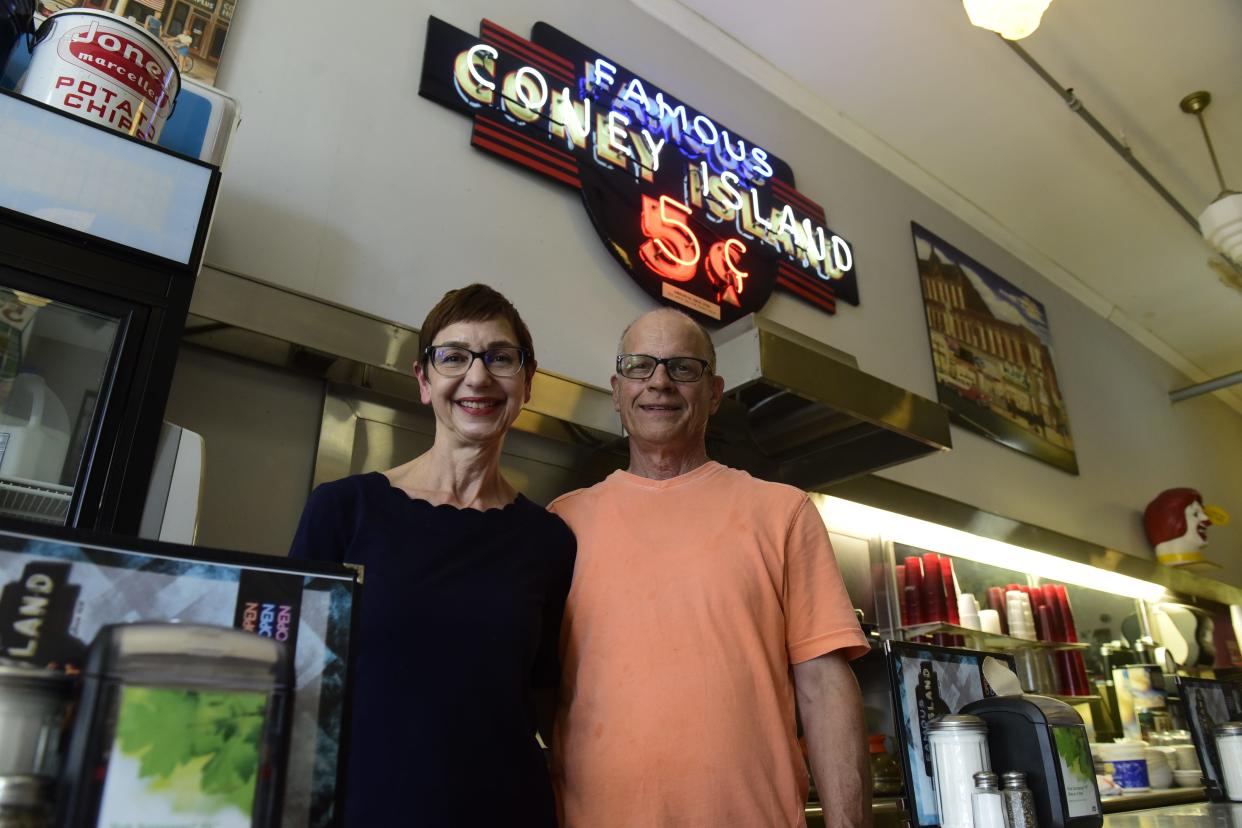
(987, 641)
(34, 500)
(1071, 699)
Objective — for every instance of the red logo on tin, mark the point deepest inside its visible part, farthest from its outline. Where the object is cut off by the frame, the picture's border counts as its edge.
(109, 53)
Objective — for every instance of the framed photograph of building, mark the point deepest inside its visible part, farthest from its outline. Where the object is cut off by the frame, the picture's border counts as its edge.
(193, 30)
(992, 352)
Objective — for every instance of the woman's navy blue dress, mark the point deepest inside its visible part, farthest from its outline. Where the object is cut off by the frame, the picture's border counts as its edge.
(460, 616)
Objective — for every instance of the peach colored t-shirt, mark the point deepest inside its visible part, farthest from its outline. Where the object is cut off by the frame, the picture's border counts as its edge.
(691, 598)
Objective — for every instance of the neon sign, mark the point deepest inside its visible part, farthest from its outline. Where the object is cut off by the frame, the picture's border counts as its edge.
(697, 214)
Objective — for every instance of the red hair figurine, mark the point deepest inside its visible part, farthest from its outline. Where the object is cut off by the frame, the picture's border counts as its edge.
(1176, 522)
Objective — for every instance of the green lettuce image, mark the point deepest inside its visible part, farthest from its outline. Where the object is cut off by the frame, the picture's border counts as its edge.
(200, 748)
(1074, 751)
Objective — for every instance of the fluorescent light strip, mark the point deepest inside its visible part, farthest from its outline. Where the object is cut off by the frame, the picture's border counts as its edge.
(850, 518)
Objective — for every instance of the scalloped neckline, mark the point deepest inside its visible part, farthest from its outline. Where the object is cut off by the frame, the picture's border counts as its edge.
(420, 501)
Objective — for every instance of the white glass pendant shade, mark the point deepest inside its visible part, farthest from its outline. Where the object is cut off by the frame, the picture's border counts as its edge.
(1221, 225)
(1011, 19)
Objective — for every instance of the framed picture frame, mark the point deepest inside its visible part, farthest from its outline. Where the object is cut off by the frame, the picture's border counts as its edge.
(992, 354)
(81, 582)
(929, 681)
(1206, 703)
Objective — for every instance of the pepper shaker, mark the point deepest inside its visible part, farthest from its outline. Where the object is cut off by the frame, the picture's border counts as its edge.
(1019, 801)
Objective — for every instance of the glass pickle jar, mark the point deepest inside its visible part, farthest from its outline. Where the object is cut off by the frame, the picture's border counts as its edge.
(959, 750)
(885, 771)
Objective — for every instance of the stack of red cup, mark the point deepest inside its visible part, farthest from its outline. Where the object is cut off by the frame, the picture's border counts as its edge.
(1055, 624)
(929, 593)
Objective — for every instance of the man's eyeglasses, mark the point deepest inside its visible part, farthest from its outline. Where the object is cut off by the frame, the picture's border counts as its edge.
(454, 361)
(680, 369)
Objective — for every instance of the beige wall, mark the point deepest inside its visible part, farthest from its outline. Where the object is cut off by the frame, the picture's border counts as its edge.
(259, 427)
(344, 184)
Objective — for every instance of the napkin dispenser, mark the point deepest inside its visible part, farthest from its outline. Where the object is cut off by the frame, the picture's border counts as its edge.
(1045, 739)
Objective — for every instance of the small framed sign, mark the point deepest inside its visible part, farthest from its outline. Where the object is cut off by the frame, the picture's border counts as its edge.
(59, 587)
(1205, 704)
(927, 682)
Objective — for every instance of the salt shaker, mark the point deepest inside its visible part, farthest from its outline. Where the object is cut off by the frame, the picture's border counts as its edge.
(987, 803)
(1228, 737)
(1019, 801)
(959, 750)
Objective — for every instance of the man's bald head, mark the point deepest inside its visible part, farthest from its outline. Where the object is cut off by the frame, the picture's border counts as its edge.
(675, 317)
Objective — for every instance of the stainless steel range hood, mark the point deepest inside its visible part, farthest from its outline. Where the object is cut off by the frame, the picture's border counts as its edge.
(801, 412)
(796, 410)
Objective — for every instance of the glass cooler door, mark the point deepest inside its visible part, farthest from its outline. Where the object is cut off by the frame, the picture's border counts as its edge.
(55, 362)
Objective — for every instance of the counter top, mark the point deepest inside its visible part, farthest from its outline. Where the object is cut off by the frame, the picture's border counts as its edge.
(1153, 799)
(1196, 815)
(886, 812)
(1187, 804)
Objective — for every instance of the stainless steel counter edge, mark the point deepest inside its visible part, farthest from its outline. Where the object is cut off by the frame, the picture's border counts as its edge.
(1153, 799)
(1197, 815)
(891, 812)
(885, 813)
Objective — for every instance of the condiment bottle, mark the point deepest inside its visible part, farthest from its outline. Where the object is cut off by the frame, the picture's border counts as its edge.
(1019, 801)
(959, 750)
(987, 803)
(1229, 747)
(885, 772)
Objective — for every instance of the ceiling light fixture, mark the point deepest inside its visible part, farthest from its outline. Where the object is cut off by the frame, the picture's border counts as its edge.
(1011, 19)
(1221, 222)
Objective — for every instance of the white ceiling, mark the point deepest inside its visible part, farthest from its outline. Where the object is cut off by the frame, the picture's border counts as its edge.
(955, 112)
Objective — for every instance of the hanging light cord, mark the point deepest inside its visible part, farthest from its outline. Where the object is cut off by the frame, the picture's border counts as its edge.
(1072, 101)
(1207, 139)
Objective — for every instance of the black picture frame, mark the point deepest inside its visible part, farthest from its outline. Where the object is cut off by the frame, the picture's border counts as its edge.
(906, 660)
(1206, 703)
(90, 579)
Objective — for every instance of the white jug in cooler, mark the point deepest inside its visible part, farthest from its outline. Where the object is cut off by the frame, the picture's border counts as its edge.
(34, 431)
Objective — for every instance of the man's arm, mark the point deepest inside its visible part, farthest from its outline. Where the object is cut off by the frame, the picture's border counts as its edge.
(832, 721)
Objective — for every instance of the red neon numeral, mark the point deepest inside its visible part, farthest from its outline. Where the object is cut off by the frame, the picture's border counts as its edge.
(723, 271)
(671, 250)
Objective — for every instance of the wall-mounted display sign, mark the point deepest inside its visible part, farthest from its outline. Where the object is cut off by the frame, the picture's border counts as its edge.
(698, 215)
(992, 351)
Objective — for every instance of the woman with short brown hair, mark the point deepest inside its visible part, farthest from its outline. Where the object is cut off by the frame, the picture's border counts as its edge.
(465, 583)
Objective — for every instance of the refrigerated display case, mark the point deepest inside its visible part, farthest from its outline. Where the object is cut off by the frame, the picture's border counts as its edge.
(101, 238)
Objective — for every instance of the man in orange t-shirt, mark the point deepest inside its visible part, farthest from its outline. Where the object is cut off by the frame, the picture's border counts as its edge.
(703, 602)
